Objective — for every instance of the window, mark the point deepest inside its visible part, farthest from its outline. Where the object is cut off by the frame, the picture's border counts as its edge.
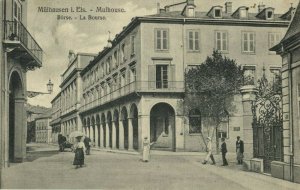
(161, 39)
(249, 75)
(224, 127)
(274, 39)
(194, 121)
(269, 14)
(123, 59)
(132, 74)
(193, 40)
(221, 41)
(275, 74)
(248, 42)
(116, 63)
(218, 13)
(17, 16)
(243, 13)
(132, 39)
(161, 76)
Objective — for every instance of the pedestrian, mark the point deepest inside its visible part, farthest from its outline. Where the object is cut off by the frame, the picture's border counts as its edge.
(224, 151)
(239, 150)
(79, 153)
(146, 149)
(87, 142)
(209, 152)
(59, 140)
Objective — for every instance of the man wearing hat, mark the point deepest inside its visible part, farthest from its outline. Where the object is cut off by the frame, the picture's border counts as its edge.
(239, 150)
(209, 152)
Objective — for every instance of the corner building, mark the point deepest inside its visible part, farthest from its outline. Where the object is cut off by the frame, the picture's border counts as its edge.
(134, 88)
(19, 54)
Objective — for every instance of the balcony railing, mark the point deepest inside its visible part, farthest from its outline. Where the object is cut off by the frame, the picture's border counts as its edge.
(136, 86)
(16, 32)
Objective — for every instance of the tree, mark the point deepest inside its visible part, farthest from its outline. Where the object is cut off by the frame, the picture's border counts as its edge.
(210, 88)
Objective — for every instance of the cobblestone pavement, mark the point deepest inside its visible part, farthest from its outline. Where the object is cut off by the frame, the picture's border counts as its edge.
(106, 170)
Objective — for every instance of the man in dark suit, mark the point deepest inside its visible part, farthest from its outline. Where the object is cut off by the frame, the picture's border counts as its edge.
(239, 150)
(224, 151)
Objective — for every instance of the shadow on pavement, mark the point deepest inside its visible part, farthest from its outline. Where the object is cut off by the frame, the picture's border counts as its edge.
(31, 156)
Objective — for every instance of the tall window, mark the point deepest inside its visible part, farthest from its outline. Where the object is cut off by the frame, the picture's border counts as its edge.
(194, 121)
(116, 62)
(17, 16)
(274, 39)
(161, 76)
(249, 75)
(193, 40)
(161, 39)
(132, 39)
(248, 42)
(221, 41)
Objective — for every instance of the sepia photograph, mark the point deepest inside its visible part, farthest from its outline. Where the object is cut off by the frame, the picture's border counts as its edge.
(150, 94)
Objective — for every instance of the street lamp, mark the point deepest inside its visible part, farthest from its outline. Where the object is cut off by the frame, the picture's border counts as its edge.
(31, 94)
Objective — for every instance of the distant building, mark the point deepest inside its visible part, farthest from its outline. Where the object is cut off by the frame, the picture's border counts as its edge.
(32, 113)
(289, 49)
(135, 87)
(43, 131)
(67, 103)
(19, 53)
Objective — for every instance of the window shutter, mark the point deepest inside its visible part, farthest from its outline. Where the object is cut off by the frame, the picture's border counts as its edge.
(172, 78)
(151, 76)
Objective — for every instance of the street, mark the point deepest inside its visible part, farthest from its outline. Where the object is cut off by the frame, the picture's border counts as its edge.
(106, 170)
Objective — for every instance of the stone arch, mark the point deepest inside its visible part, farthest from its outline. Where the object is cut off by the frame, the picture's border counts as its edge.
(103, 122)
(116, 121)
(124, 118)
(98, 129)
(135, 128)
(109, 123)
(17, 121)
(162, 126)
(84, 125)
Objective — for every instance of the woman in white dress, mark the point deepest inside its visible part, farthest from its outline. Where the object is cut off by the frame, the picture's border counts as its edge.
(79, 153)
(146, 149)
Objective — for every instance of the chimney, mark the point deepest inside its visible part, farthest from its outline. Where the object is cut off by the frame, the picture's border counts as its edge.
(71, 55)
(261, 7)
(190, 2)
(228, 7)
(167, 8)
(158, 8)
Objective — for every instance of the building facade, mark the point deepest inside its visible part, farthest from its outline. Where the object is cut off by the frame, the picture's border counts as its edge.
(55, 117)
(43, 130)
(69, 97)
(19, 53)
(289, 49)
(135, 87)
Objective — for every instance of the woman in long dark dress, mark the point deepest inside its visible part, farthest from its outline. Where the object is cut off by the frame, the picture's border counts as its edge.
(79, 153)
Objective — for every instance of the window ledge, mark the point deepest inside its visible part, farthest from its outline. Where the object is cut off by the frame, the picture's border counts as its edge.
(194, 134)
(162, 50)
(193, 51)
(248, 53)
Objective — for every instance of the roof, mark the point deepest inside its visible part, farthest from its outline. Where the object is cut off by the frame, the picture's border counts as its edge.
(36, 109)
(203, 15)
(294, 27)
(44, 115)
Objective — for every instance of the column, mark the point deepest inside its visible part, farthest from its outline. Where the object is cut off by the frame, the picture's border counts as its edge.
(96, 135)
(101, 137)
(121, 135)
(248, 93)
(20, 133)
(130, 134)
(107, 135)
(114, 135)
(144, 129)
(92, 133)
(88, 131)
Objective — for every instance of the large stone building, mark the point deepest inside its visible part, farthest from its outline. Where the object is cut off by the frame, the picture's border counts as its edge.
(66, 104)
(43, 130)
(19, 53)
(134, 88)
(289, 49)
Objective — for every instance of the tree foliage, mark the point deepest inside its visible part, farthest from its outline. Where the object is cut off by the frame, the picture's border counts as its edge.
(211, 85)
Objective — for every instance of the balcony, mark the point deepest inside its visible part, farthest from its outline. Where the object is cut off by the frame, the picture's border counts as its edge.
(22, 44)
(136, 87)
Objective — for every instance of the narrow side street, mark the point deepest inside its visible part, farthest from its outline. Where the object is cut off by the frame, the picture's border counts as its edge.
(105, 170)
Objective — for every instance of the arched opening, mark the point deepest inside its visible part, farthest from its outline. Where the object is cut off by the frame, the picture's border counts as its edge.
(17, 124)
(98, 130)
(84, 126)
(162, 126)
(93, 130)
(135, 129)
(109, 123)
(103, 121)
(116, 120)
(124, 118)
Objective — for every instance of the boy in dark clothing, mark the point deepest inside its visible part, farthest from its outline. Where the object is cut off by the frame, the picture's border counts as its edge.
(87, 142)
(224, 151)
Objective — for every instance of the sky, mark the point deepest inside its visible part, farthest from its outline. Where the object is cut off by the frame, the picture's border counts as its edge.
(57, 37)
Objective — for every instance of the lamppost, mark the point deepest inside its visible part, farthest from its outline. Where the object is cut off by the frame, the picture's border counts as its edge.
(31, 94)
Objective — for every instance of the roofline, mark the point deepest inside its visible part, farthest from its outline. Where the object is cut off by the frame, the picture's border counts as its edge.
(287, 44)
(207, 21)
(76, 70)
(58, 95)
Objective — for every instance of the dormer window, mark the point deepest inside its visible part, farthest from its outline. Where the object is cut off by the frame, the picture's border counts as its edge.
(191, 12)
(269, 14)
(243, 13)
(218, 13)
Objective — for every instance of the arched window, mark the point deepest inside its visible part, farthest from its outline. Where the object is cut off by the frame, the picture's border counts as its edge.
(194, 121)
